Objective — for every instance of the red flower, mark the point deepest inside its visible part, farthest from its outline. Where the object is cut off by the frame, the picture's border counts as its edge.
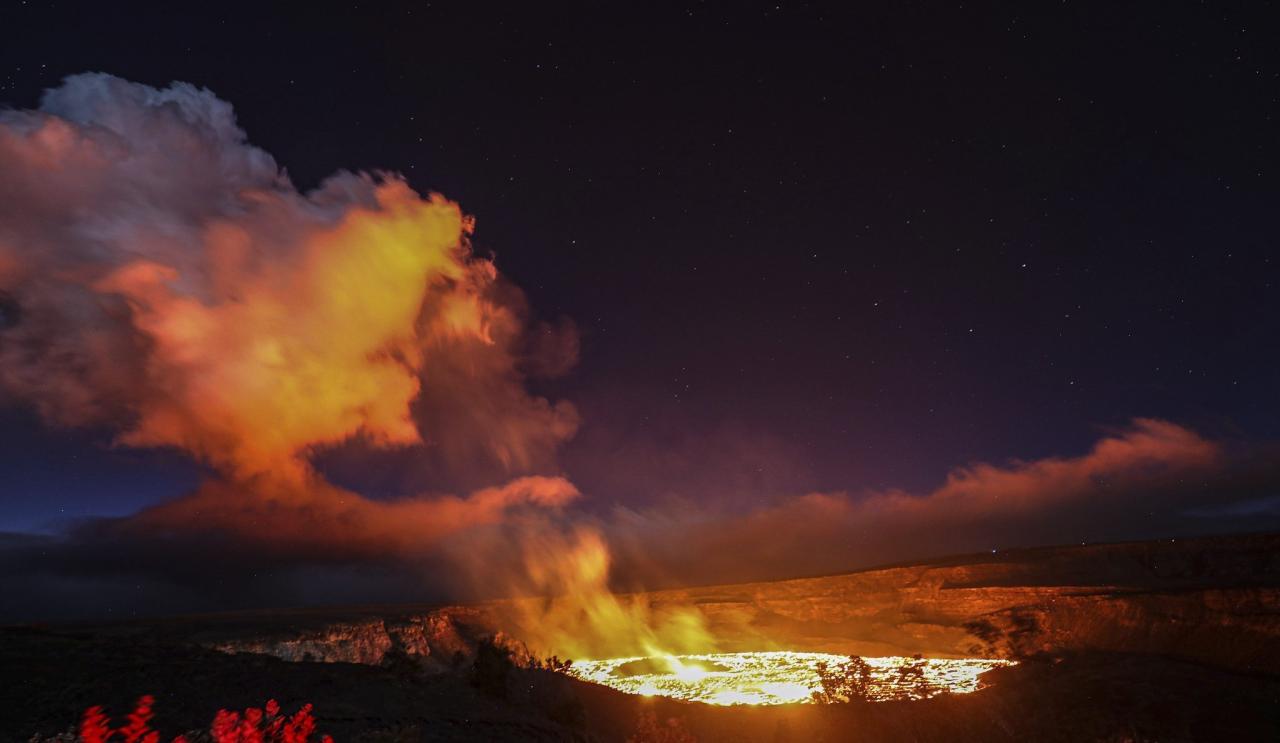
(95, 727)
(138, 730)
(264, 725)
(226, 727)
(251, 726)
(300, 726)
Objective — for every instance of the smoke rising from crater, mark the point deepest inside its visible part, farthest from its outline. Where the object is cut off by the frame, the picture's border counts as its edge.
(162, 278)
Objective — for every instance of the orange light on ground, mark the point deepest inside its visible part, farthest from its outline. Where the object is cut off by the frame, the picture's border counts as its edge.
(772, 677)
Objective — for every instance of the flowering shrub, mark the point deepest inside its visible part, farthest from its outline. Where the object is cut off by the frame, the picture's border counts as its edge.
(95, 727)
(254, 725)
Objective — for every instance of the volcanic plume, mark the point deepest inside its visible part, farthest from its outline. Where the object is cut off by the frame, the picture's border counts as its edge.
(164, 279)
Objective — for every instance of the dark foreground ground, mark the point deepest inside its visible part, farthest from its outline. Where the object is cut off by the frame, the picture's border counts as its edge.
(47, 677)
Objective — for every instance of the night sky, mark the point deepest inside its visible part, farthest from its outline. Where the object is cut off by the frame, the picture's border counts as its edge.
(808, 247)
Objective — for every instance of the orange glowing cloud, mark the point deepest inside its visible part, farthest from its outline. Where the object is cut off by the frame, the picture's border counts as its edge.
(321, 343)
(170, 283)
(320, 521)
(1138, 472)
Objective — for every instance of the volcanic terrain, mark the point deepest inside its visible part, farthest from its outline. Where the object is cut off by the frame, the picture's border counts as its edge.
(1162, 640)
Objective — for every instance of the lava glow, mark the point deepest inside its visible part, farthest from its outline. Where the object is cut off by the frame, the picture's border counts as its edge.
(772, 677)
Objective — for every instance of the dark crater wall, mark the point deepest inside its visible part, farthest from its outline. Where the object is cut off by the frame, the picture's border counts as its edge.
(1214, 601)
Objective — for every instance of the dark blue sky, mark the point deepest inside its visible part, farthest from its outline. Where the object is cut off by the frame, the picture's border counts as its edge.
(807, 247)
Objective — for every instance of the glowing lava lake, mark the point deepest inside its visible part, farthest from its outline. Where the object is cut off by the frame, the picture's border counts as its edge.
(778, 677)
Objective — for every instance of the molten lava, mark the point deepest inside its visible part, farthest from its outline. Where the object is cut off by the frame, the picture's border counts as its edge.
(776, 677)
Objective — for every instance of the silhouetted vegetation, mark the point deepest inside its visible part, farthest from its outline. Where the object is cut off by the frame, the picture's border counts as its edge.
(851, 681)
(551, 663)
(491, 669)
(514, 677)
(843, 683)
(912, 682)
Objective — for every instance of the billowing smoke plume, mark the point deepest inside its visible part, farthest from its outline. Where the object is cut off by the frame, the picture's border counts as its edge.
(162, 278)
(560, 576)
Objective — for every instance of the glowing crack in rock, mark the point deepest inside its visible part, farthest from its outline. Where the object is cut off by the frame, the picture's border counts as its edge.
(775, 677)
